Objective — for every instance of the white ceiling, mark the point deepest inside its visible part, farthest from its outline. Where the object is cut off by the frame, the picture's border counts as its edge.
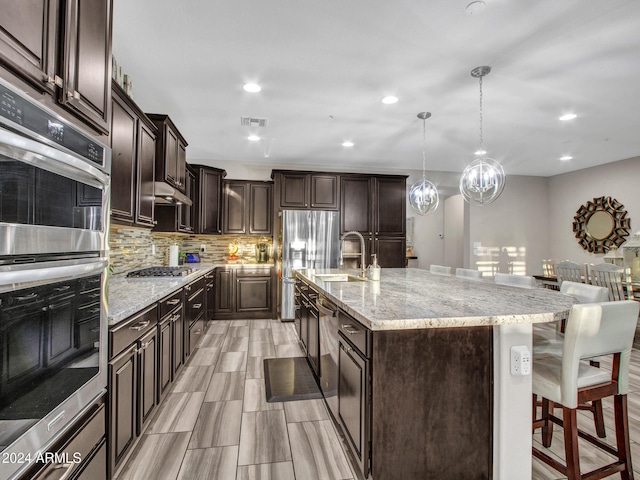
(324, 65)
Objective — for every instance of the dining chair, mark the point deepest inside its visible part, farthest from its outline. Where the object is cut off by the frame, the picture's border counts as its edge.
(567, 270)
(440, 269)
(468, 273)
(522, 281)
(548, 267)
(610, 276)
(592, 329)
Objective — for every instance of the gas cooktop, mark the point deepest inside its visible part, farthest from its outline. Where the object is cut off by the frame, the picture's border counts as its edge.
(162, 272)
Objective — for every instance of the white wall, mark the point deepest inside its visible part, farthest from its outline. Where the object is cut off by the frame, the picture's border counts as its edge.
(569, 191)
(454, 231)
(514, 229)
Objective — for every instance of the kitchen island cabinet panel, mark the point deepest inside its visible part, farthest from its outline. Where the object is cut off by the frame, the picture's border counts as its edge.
(444, 378)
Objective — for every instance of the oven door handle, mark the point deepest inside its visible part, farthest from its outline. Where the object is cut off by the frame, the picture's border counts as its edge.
(17, 277)
(55, 160)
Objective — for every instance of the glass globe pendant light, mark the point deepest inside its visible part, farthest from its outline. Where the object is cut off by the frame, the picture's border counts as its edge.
(483, 180)
(423, 195)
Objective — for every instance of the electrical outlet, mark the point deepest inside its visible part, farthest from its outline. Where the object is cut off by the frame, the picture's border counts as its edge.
(203, 248)
(153, 249)
(520, 360)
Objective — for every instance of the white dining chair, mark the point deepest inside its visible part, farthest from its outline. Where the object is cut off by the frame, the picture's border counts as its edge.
(440, 269)
(521, 281)
(612, 277)
(571, 271)
(468, 273)
(592, 329)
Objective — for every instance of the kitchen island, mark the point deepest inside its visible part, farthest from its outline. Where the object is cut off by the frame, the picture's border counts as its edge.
(440, 400)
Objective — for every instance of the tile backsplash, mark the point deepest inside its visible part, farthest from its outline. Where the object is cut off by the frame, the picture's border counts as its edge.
(131, 248)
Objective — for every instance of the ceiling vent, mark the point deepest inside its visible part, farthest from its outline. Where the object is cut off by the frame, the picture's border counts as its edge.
(253, 122)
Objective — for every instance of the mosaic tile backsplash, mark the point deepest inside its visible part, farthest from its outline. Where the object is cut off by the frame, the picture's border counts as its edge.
(132, 248)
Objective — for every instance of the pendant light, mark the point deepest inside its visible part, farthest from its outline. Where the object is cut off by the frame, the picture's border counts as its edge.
(483, 180)
(423, 195)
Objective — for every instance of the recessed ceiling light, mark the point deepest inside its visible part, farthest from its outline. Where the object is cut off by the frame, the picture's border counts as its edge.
(480, 152)
(347, 144)
(251, 87)
(567, 116)
(475, 8)
(389, 100)
(253, 138)
(566, 157)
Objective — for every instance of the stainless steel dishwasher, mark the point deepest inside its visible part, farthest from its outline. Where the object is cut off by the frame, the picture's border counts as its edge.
(328, 328)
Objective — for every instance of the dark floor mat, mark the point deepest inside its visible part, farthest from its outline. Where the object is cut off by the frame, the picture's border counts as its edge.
(289, 379)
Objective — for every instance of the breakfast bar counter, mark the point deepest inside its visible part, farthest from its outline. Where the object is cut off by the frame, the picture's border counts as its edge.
(441, 402)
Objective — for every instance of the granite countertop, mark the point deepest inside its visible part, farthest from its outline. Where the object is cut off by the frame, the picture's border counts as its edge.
(409, 298)
(128, 296)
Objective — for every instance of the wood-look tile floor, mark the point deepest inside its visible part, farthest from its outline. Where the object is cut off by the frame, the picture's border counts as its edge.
(215, 423)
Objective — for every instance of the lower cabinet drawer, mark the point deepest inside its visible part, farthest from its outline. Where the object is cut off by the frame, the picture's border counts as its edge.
(196, 330)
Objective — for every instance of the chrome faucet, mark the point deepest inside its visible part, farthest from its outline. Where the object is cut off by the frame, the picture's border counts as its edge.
(363, 268)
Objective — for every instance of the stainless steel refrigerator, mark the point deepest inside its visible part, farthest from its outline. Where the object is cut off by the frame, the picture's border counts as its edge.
(310, 239)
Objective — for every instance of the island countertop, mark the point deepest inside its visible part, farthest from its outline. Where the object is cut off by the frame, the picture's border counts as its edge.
(411, 298)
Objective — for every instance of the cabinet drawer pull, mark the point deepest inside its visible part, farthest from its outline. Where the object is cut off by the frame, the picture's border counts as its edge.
(175, 317)
(197, 306)
(350, 330)
(144, 345)
(31, 296)
(140, 326)
(175, 301)
(69, 469)
(197, 332)
(188, 288)
(95, 330)
(63, 288)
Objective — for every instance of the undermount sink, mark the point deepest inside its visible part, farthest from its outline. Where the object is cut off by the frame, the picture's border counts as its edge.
(339, 277)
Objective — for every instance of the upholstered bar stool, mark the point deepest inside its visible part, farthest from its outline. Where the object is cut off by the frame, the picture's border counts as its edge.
(521, 281)
(592, 329)
(468, 273)
(440, 269)
(548, 341)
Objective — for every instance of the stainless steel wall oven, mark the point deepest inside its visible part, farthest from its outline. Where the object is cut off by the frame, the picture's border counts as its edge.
(54, 212)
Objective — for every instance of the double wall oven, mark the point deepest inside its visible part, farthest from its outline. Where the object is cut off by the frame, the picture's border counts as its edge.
(54, 212)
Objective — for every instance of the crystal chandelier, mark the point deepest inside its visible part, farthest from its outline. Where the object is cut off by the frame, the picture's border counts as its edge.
(483, 180)
(423, 195)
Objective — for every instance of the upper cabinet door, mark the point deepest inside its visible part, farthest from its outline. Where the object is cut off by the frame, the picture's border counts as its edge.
(294, 190)
(146, 175)
(390, 206)
(324, 191)
(355, 204)
(124, 125)
(181, 165)
(86, 62)
(234, 207)
(260, 208)
(28, 32)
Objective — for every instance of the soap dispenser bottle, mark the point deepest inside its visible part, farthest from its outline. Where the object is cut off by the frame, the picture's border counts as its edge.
(374, 268)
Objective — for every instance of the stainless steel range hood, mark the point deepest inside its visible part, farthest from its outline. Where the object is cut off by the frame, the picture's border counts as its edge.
(168, 195)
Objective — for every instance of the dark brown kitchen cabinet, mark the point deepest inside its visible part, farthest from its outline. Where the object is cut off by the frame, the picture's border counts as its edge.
(210, 295)
(248, 207)
(132, 382)
(375, 205)
(185, 212)
(177, 218)
(170, 152)
(84, 440)
(64, 49)
(208, 199)
(133, 162)
(194, 314)
(303, 190)
(165, 356)
(244, 292)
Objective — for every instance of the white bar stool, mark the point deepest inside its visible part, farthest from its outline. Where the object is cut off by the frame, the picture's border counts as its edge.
(593, 329)
(440, 269)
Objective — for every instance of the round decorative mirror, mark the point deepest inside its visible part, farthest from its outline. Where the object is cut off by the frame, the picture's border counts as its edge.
(601, 224)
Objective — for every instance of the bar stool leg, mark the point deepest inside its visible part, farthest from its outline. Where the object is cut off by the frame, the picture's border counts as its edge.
(547, 429)
(572, 457)
(598, 418)
(622, 435)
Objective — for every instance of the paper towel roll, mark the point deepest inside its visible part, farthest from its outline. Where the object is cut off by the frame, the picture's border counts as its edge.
(173, 255)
